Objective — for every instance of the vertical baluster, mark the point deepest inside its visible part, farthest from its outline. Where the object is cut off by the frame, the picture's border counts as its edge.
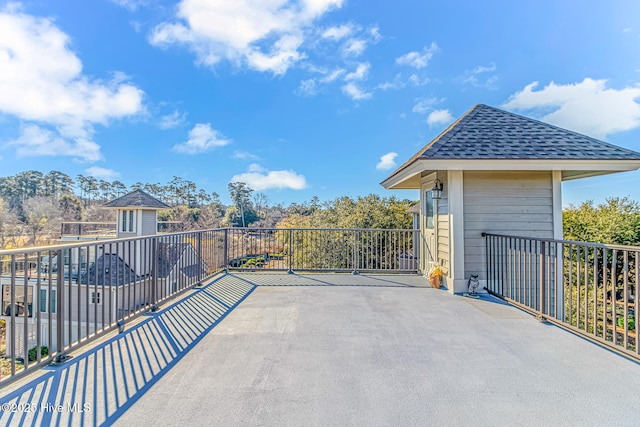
(625, 295)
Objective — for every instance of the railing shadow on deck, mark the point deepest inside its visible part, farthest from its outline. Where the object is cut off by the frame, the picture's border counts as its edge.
(586, 288)
(98, 386)
(333, 279)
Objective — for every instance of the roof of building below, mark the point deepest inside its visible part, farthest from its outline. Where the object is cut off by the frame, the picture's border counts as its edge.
(415, 209)
(137, 199)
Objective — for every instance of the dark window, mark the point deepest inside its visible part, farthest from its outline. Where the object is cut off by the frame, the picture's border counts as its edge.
(428, 209)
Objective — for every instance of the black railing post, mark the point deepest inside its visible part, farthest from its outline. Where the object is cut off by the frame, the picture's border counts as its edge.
(290, 251)
(154, 274)
(14, 308)
(354, 258)
(226, 250)
(199, 260)
(60, 356)
(486, 257)
(543, 279)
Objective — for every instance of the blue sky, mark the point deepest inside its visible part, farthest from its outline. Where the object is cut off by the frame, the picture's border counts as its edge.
(302, 98)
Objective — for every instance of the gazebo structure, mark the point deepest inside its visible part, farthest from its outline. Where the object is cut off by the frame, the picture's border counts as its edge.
(137, 214)
(498, 172)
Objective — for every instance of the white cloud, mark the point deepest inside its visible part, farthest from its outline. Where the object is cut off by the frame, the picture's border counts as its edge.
(42, 82)
(260, 179)
(423, 105)
(307, 87)
(334, 75)
(311, 87)
(263, 35)
(37, 141)
(485, 69)
(360, 73)
(102, 173)
(354, 47)
(354, 92)
(439, 117)
(132, 5)
(588, 106)
(397, 83)
(244, 155)
(475, 77)
(418, 81)
(172, 120)
(338, 32)
(387, 161)
(416, 59)
(201, 139)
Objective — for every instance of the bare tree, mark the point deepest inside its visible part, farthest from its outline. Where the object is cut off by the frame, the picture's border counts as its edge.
(42, 217)
(8, 226)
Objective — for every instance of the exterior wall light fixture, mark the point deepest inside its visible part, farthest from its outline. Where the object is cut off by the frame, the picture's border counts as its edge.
(436, 191)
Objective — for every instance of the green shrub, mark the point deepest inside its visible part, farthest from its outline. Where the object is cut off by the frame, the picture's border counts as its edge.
(631, 322)
(33, 356)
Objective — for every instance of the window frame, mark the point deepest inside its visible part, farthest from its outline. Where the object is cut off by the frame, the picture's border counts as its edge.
(429, 210)
(95, 298)
(128, 221)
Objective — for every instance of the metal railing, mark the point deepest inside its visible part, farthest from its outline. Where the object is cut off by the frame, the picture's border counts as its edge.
(587, 288)
(57, 298)
(322, 249)
(83, 230)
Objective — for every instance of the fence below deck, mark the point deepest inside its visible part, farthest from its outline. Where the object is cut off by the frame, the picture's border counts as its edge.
(62, 297)
(587, 288)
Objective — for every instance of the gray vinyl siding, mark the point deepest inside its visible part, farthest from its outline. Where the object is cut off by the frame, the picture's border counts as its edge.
(443, 224)
(149, 226)
(514, 203)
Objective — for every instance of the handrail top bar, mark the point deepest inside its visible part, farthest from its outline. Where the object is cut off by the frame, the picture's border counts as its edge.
(62, 246)
(110, 222)
(53, 248)
(569, 242)
(89, 222)
(323, 229)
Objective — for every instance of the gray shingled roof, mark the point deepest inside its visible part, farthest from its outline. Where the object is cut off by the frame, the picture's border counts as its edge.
(137, 198)
(490, 133)
(415, 209)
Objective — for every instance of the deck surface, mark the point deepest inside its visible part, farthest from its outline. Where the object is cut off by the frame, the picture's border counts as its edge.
(319, 349)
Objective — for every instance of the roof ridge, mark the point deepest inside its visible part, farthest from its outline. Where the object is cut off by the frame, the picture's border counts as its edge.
(456, 127)
(582, 135)
(434, 140)
(137, 198)
(489, 133)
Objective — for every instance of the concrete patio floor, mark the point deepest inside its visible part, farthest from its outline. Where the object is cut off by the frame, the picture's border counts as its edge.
(320, 349)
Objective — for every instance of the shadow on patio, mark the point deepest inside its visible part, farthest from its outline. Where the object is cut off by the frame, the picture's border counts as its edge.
(100, 383)
(335, 348)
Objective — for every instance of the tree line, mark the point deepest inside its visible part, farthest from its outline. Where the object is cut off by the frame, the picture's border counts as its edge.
(615, 221)
(33, 204)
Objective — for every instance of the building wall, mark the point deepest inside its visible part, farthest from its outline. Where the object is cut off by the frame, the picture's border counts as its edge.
(436, 242)
(82, 310)
(442, 221)
(518, 203)
(149, 223)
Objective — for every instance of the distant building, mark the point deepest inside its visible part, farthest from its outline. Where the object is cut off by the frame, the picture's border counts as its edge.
(102, 282)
